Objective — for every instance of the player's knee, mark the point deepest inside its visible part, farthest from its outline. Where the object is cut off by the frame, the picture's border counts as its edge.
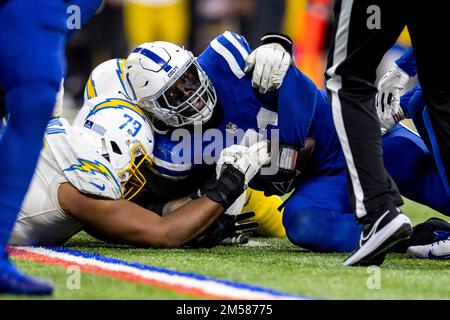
(32, 101)
(322, 230)
(300, 227)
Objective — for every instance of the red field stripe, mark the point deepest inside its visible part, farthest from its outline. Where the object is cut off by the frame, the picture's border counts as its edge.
(120, 275)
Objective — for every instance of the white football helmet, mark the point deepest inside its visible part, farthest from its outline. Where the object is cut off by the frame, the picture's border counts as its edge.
(119, 131)
(167, 81)
(107, 79)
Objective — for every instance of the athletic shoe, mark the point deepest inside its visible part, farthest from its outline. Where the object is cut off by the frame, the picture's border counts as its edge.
(378, 236)
(437, 251)
(14, 282)
(432, 230)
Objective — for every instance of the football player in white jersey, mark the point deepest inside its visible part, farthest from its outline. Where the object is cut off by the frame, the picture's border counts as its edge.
(87, 174)
(108, 79)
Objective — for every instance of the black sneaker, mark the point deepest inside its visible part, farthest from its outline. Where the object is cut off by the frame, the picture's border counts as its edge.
(378, 236)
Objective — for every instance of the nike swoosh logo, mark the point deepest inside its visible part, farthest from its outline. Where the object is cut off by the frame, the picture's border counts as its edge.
(100, 187)
(374, 228)
(431, 255)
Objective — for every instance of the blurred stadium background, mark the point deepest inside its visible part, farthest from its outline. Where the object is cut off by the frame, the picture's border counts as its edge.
(123, 24)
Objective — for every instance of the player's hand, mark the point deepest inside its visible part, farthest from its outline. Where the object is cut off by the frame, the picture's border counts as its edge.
(235, 168)
(390, 89)
(270, 63)
(248, 160)
(227, 229)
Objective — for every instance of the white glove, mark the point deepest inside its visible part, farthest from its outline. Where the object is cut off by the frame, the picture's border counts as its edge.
(390, 89)
(251, 137)
(270, 63)
(246, 160)
(391, 85)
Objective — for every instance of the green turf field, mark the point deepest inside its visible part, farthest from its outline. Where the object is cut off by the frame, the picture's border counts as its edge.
(274, 263)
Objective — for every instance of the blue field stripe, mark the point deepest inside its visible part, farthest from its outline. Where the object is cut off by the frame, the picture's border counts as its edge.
(139, 266)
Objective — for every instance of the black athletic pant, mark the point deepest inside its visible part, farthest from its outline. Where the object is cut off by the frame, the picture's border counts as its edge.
(363, 32)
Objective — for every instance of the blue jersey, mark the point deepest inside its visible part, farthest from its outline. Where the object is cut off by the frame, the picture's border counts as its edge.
(407, 62)
(297, 110)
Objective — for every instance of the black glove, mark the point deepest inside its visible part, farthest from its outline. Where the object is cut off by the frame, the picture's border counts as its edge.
(279, 184)
(227, 229)
(226, 189)
(292, 164)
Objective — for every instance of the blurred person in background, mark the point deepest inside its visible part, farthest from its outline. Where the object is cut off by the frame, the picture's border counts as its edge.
(151, 20)
(261, 17)
(101, 39)
(210, 17)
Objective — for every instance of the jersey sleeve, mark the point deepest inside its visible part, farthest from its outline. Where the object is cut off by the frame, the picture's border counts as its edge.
(168, 159)
(226, 55)
(412, 102)
(296, 105)
(407, 62)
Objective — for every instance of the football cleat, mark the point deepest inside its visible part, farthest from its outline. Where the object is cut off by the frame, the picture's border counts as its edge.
(432, 230)
(14, 282)
(437, 251)
(378, 236)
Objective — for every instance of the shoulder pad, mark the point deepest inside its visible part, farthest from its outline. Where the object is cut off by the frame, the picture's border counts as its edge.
(234, 49)
(86, 170)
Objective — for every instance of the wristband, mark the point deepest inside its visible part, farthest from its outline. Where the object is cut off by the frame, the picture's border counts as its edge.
(284, 40)
(226, 189)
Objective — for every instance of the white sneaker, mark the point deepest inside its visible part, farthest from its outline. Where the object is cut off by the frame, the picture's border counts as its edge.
(439, 251)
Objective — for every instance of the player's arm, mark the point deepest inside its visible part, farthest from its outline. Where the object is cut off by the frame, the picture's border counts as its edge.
(392, 84)
(125, 222)
(229, 55)
(297, 99)
(270, 62)
(407, 62)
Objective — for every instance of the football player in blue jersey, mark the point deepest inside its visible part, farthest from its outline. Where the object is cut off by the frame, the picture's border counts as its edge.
(32, 37)
(168, 181)
(394, 105)
(179, 90)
